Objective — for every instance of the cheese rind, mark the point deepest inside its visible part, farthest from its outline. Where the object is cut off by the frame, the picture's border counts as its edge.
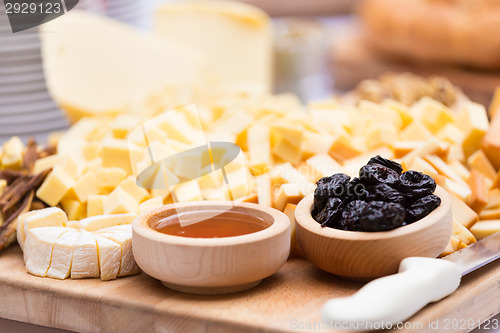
(62, 255)
(122, 235)
(38, 248)
(85, 262)
(95, 223)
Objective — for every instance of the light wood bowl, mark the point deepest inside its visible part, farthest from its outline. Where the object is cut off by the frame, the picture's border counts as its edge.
(367, 255)
(211, 265)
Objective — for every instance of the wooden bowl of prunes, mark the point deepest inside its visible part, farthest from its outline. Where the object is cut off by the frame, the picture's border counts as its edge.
(364, 227)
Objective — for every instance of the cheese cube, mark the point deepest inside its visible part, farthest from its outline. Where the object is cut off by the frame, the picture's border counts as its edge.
(54, 187)
(451, 133)
(286, 173)
(490, 143)
(490, 214)
(95, 204)
(322, 165)
(462, 233)
(187, 191)
(493, 198)
(453, 245)
(177, 127)
(287, 152)
(459, 169)
(92, 166)
(381, 114)
(342, 149)
(483, 229)
(432, 113)
(83, 187)
(402, 148)
(287, 194)
(473, 121)
(462, 212)
(234, 122)
(291, 133)
(381, 135)
(119, 201)
(138, 193)
(210, 180)
(316, 143)
(238, 184)
(91, 150)
(444, 168)
(264, 191)
(70, 166)
(429, 147)
(46, 163)
(402, 109)
(12, 156)
(460, 190)
(416, 131)
(479, 191)
(75, 209)
(109, 177)
(118, 153)
(149, 204)
(259, 148)
(123, 124)
(480, 162)
(99, 222)
(421, 165)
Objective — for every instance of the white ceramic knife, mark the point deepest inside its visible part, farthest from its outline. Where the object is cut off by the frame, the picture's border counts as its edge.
(392, 299)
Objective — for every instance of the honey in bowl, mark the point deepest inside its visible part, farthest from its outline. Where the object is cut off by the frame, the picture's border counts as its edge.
(225, 224)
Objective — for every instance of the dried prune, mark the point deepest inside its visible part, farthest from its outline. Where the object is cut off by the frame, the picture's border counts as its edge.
(327, 187)
(383, 192)
(381, 216)
(351, 215)
(422, 207)
(387, 163)
(328, 216)
(415, 184)
(377, 173)
(356, 190)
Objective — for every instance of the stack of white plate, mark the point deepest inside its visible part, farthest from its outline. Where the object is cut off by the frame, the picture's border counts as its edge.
(26, 108)
(134, 12)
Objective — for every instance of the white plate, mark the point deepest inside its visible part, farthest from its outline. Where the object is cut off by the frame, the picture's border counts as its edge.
(27, 108)
(8, 79)
(9, 100)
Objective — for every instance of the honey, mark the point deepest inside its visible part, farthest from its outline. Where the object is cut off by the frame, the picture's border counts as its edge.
(226, 224)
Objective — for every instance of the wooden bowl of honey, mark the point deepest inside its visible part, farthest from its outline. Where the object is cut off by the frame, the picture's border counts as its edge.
(366, 255)
(211, 247)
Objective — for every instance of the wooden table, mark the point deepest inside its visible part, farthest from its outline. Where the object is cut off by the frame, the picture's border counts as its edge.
(288, 301)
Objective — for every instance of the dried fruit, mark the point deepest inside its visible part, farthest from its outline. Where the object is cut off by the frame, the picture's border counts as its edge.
(387, 163)
(328, 216)
(327, 187)
(383, 192)
(422, 207)
(351, 215)
(377, 173)
(415, 184)
(381, 216)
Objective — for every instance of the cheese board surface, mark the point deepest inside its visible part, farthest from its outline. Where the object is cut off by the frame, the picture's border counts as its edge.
(288, 301)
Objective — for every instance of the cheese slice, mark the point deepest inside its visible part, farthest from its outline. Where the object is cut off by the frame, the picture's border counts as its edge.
(85, 261)
(122, 235)
(20, 227)
(38, 248)
(52, 216)
(110, 255)
(128, 67)
(484, 229)
(105, 221)
(235, 38)
(62, 254)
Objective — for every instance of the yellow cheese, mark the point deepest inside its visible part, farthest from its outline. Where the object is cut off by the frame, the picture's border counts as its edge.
(402, 148)
(402, 109)
(462, 212)
(149, 204)
(381, 135)
(462, 233)
(95, 204)
(70, 166)
(178, 128)
(234, 123)
(484, 229)
(493, 199)
(495, 103)
(120, 154)
(479, 191)
(264, 191)
(286, 173)
(432, 114)
(99, 222)
(138, 193)
(54, 187)
(451, 133)
(444, 168)
(210, 180)
(322, 165)
(460, 190)
(123, 124)
(109, 177)
(287, 152)
(316, 143)
(259, 148)
(287, 194)
(119, 201)
(238, 183)
(480, 162)
(75, 209)
(12, 156)
(453, 245)
(46, 163)
(187, 191)
(429, 147)
(490, 214)
(234, 37)
(342, 149)
(291, 133)
(459, 169)
(83, 187)
(107, 82)
(91, 150)
(473, 121)
(419, 164)
(490, 143)
(381, 114)
(416, 131)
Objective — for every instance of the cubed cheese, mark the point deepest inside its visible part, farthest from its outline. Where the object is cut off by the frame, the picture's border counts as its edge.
(54, 187)
(138, 193)
(149, 204)
(109, 177)
(121, 154)
(95, 204)
(120, 201)
(83, 187)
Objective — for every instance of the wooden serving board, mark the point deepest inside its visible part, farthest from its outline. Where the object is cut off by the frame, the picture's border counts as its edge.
(288, 301)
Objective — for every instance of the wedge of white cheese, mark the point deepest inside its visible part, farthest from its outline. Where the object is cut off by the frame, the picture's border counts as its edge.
(110, 255)
(62, 254)
(48, 217)
(97, 222)
(122, 235)
(85, 261)
(38, 248)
